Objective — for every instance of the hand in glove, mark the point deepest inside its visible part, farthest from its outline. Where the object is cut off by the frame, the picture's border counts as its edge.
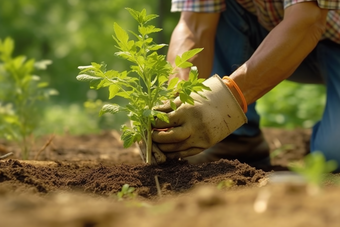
(194, 128)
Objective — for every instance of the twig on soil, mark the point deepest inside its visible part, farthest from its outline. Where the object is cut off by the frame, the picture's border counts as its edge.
(158, 187)
(6, 155)
(45, 146)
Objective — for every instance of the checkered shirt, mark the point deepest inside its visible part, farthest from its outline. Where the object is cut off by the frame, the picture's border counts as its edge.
(269, 12)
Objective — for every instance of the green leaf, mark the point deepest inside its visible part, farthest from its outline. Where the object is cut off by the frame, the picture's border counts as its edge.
(130, 190)
(42, 64)
(19, 61)
(185, 98)
(182, 61)
(150, 17)
(141, 18)
(85, 67)
(157, 46)
(134, 13)
(191, 53)
(96, 84)
(162, 78)
(125, 94)
(113, 90)
(8, 46)
(87, 78)
(97, 66)
(110, 108)
(148, 30)
(147, 113)
(112, 74)
(122, 37)
(128, 137)
(173, 82)
(51, 91)
(161, 115)
(42, 84)
(173, 105)
(126, 55)
(125, 188)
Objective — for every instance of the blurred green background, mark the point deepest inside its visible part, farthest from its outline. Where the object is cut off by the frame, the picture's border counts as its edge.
(72, 33)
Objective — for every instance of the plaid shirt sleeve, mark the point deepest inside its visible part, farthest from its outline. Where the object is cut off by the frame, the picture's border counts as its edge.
(203, 6)
(324, 4)
(333, 18)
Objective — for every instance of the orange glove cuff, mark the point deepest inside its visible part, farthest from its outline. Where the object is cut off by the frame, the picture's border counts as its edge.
(231, 84)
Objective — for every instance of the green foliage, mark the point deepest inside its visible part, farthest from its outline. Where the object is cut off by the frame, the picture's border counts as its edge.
(20, 93)
(67, 32)
(281, 150)
(292, 105)
(145, 85)
(72, 119)
(314, 168)
(126, 192)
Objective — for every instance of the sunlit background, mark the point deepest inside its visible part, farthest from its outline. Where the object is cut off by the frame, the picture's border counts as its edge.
(72, 33)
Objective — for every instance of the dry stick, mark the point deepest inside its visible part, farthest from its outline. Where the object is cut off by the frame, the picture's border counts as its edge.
(158, 187)
(6, 155)
(44, 147)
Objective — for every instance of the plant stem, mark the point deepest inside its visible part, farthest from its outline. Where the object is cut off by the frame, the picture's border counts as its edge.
(147, 81)
(148, 144)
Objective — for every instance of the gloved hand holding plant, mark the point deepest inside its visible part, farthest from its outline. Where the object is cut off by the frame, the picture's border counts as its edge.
(194, 128)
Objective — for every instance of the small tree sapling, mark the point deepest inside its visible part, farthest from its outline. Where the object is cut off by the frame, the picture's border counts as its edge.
(20, 93)
(315, 169)
(146, 84)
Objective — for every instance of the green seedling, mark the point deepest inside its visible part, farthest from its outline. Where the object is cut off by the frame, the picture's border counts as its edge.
(315, 169)
(126, 192)
(146, 84)
(281, 150)
(225, 184)
(21, 92)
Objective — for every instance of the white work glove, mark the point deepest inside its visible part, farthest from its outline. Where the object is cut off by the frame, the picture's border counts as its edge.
(194, 128)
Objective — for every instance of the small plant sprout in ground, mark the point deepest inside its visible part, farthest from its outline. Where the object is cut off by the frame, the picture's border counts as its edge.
(225, 184)
(126, 192)
(146, 84)
(315, 169)
(21, 92)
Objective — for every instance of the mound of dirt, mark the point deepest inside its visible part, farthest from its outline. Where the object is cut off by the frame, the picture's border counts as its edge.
(74, 181)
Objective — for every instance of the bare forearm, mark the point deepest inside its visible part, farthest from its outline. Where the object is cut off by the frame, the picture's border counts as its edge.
(281, 52)
(195, 30)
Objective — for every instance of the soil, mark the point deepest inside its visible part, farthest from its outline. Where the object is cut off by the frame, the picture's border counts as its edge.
(74, 181)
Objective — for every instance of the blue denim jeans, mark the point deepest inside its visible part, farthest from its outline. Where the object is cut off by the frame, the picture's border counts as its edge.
(238, 36)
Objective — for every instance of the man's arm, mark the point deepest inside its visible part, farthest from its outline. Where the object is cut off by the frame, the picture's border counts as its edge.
(194, 30)
(282, 50)
(285, 47)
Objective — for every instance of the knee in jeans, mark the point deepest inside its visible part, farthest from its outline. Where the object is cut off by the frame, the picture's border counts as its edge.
(329, 147)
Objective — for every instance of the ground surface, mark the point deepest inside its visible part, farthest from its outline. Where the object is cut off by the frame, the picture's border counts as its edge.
(74, 181)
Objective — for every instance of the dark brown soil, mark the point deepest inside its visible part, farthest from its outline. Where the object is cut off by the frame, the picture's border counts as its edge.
(74, 181)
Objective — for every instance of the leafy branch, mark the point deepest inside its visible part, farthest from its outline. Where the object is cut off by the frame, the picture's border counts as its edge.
(146, 84)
